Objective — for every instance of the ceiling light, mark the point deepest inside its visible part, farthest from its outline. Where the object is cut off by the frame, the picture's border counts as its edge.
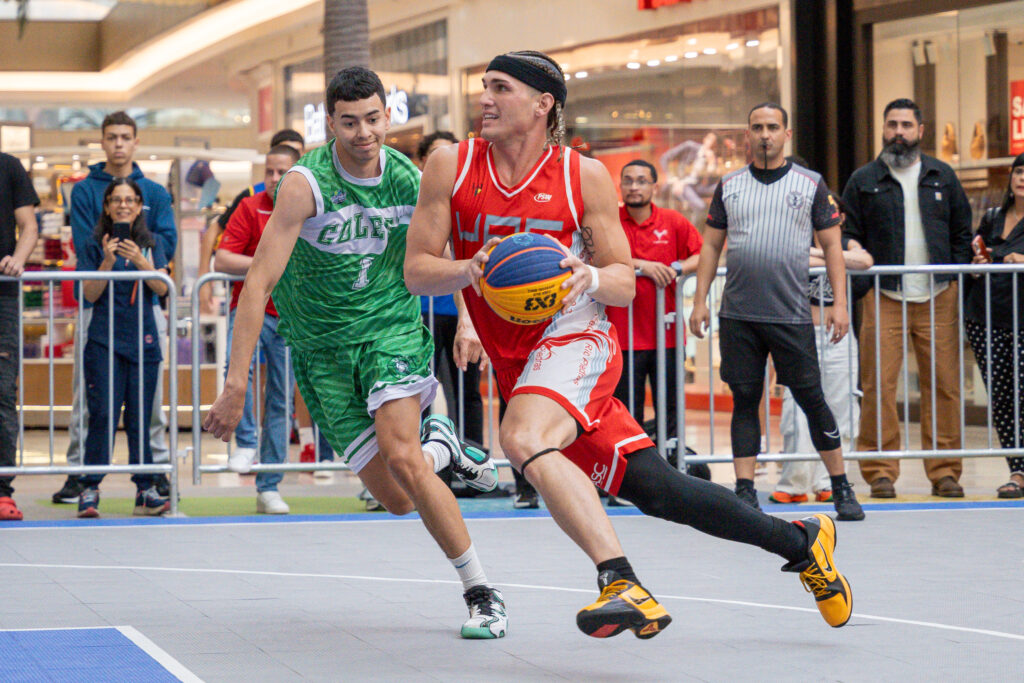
(691, 54)
(671, 58)
(581, 74)
(653, 62)
(710, 51)
(691, 41)
(753, 43)
(732, 46)
(633, 65)
(568, 77)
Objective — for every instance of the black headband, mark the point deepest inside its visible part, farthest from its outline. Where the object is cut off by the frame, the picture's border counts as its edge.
(531, 74)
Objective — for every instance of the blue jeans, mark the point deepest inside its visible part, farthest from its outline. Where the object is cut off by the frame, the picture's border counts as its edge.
(124, 392)
(278, 381)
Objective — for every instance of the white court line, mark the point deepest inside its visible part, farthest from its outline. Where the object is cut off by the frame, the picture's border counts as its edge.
(173, 666)
(525, 586)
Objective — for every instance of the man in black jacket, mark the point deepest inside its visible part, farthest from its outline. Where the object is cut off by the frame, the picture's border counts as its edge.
(908, 208)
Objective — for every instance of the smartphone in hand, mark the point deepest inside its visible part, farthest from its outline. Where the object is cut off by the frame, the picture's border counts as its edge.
(122, 231)
(980, 249)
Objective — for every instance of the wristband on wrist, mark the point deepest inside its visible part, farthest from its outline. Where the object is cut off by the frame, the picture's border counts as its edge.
(594, 280)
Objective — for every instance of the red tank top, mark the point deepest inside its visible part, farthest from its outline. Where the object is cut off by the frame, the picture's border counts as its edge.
(547, 200)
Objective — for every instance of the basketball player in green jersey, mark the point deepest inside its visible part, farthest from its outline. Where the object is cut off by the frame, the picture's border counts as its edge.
(332, 255)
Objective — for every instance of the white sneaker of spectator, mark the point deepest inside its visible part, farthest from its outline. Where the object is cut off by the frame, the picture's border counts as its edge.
(271, 503)
(241, 460)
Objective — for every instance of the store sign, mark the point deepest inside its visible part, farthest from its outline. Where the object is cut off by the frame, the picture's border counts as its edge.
(398, 101)
(315, 117)
(1016, 117)
(655, 4)
(314, 124)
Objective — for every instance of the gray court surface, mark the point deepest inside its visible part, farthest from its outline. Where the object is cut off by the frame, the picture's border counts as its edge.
(937, 597)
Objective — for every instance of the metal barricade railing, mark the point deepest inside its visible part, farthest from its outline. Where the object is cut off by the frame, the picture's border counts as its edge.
(983, 274)
(198, 466)
(50, 277)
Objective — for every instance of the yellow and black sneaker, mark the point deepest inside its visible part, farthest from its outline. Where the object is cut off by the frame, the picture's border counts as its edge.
(818, 573)
(622, 605)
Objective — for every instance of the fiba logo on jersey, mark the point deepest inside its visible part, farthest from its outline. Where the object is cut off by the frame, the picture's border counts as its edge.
(794, 200)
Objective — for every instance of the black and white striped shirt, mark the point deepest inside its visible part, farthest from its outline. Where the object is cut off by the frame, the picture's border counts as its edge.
(769, 216)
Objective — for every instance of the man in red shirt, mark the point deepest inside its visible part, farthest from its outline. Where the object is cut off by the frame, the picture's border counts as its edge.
(237, 246)
(657, 237)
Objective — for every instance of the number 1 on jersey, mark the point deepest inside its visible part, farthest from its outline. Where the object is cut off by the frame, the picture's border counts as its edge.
(364, 270)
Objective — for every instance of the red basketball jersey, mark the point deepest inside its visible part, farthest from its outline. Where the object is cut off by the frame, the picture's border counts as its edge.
(548, 200)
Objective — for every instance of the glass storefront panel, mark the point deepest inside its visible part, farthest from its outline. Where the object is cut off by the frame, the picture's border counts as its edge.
(965, 69)
(88, 118)
(413, 66)
(677, 97)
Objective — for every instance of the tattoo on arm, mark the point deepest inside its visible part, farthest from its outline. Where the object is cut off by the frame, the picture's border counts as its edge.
(587, 235)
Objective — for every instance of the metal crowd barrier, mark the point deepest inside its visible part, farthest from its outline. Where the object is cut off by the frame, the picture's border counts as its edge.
(50, 277)
(664, 439)
(981, 272)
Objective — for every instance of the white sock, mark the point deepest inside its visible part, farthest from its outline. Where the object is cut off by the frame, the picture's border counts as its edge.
(471, 572)
(438, 455)
(305, 436)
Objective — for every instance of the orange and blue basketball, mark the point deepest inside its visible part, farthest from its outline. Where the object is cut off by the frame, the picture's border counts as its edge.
(522, 280)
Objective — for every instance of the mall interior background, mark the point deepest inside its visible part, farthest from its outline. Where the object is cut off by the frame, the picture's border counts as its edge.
(211, 80)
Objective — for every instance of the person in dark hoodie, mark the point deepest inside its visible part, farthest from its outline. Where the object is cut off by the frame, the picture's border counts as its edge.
(119, 141)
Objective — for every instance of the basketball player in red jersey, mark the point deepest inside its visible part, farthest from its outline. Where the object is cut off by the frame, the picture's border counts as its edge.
(563, 429)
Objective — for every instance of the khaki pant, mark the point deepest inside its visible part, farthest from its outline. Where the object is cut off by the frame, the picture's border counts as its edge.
(890, 326)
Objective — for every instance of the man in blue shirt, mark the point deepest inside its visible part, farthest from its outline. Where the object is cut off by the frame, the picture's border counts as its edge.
(119, 141)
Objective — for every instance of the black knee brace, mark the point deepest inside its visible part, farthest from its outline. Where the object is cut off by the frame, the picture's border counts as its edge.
(745, 428)
(822, 423)
(522, 470)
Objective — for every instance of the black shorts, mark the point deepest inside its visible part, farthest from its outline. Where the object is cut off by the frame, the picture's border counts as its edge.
(745, 346)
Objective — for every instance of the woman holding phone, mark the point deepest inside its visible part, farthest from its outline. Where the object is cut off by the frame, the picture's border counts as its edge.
(1000, 239)
(122, 244)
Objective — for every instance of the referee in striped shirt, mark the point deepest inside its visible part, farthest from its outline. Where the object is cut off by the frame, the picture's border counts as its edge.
(768, 211)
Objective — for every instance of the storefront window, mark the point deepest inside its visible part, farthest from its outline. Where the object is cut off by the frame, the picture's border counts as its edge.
(965, 69)
(677, 97)
(413, 66)
(78, 118)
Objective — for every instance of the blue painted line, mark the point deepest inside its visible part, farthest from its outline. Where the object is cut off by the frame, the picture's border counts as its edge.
(473, 510)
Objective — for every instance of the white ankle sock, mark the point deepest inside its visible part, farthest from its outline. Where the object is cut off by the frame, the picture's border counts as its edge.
(438, 455)
(305, 436)
(469, 568)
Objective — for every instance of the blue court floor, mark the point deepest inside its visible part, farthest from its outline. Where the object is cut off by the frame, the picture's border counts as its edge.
(370, 597)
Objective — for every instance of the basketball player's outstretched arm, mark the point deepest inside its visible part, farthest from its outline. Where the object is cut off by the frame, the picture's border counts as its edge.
(604, 238)
(293, 206)
(427, 270)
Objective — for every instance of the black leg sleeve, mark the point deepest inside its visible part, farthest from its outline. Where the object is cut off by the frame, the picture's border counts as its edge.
(658, 490)
(745, 428)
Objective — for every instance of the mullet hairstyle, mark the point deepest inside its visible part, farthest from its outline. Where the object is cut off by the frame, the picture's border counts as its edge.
(140, 234)
(352, 84)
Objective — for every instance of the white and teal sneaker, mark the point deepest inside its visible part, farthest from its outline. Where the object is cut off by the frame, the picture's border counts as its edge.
(471, 464)
(487, 618)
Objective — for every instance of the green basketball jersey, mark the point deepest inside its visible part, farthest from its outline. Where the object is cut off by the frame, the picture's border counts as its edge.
(343, 283)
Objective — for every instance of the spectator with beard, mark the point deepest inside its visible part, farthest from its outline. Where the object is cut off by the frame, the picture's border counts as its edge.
(908, 208)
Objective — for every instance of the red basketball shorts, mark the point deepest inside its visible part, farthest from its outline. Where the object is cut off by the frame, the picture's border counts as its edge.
(580, 372)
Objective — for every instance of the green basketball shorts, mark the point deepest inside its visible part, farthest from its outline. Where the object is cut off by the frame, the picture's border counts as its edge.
(343, 387)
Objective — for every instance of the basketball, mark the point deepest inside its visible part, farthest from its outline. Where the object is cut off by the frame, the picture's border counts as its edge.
(522, 281)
